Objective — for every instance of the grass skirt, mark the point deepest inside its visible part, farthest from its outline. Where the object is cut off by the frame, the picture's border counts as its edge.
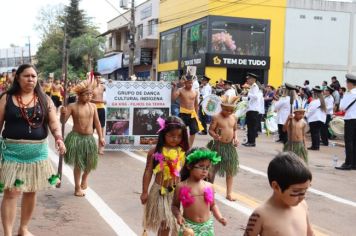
(200, 229)
(229, 159)
(34, 175)
(82, 151)
(298, 148)
(158, 210)
(25, 165)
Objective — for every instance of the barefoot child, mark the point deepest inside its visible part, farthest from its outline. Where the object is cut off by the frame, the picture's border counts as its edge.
(165, 161)
(223, 129)
(295, 128)
(197, 195)
(82, 150)
(285, 212)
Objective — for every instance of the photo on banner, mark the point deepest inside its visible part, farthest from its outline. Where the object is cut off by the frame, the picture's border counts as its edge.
(133, 108)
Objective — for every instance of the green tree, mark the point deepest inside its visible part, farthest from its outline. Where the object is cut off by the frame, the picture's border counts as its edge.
(75, 19)
(49, 54)
(49, 19)
(88, 47)
(84, 50)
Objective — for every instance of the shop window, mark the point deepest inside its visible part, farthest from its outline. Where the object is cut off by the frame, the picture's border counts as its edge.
(110, 42)
(169, 46)
(194, 40)
(239, 38)
(168, 76)
(139, 32)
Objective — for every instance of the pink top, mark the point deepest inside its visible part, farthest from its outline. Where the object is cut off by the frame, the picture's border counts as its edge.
(187, 199)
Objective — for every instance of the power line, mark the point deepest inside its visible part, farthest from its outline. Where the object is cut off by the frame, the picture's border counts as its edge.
(201, 11)
(121, 14)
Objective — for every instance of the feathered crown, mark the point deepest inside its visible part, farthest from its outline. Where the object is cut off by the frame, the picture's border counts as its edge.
(229, 101)
(300, 104)
(83, 86)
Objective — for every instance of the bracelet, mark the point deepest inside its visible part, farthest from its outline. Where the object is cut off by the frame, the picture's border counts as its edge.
(58, 137)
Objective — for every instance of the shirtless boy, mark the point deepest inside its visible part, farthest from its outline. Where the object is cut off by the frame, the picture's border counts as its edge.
(47, 87)
(295, 128)
(223, 129)
(285, 212)
(98, 100)
(188, 110)
(82, 150)
(56, 93)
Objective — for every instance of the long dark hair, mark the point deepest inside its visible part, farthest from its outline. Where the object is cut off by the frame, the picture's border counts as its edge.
(171, 123)
(15, 89)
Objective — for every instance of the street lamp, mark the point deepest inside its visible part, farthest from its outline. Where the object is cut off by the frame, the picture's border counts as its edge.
(29, 49)
(14, 55)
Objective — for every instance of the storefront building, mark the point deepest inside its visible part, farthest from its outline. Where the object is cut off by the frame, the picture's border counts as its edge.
(320, 41)
(224, 39)
(116, 61)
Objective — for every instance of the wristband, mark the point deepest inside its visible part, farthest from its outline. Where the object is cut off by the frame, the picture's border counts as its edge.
(58, 137)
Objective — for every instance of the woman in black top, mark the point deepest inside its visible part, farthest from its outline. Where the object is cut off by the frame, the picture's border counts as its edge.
(26, 113)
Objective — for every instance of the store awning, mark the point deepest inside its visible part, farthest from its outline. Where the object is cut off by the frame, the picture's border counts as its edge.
(108, 65)
(113, 30)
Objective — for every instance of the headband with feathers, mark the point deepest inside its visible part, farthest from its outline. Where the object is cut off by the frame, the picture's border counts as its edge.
(229, 101)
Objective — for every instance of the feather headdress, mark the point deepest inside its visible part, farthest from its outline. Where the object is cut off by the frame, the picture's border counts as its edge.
(300, 104)
(229, 101)
(83, 86)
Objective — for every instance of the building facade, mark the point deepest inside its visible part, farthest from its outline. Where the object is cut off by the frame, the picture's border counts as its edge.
(223, 39)
(13, 57)
(319, 41)
(116, 61)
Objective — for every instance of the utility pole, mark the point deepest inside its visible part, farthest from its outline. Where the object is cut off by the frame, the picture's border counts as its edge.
(29, 49)
(132, 39)
(65, 59)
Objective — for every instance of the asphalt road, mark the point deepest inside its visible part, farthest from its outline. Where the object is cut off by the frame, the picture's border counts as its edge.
(112, 206)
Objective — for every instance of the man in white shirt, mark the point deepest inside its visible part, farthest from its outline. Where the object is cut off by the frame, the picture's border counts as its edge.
(252, 110)
(329, 102)
(229, 90)
(205, 90)
(348, 104)
(282, 107)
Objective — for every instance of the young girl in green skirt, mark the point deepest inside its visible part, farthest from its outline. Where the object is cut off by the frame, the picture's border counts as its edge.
(82, 151)
(197, 195)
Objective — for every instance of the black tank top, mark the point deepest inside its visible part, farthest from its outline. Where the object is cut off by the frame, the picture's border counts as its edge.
(17, 127)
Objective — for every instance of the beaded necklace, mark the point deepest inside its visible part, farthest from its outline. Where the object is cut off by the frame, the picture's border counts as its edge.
(24, 110)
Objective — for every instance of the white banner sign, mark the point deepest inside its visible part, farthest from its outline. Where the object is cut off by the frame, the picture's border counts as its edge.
(133, 108)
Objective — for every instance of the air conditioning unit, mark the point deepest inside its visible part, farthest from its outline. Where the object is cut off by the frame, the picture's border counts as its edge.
(124, 4)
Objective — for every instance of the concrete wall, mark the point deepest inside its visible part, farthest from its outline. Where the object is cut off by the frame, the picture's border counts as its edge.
(317, 41)
(144, 13)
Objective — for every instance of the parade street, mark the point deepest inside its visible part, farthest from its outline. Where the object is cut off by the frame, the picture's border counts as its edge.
(112, 203)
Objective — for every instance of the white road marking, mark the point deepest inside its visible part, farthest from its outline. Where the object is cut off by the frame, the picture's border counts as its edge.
(245, 210)
(257, 172)
(235, 205)
(111, 218)
(312, 190)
